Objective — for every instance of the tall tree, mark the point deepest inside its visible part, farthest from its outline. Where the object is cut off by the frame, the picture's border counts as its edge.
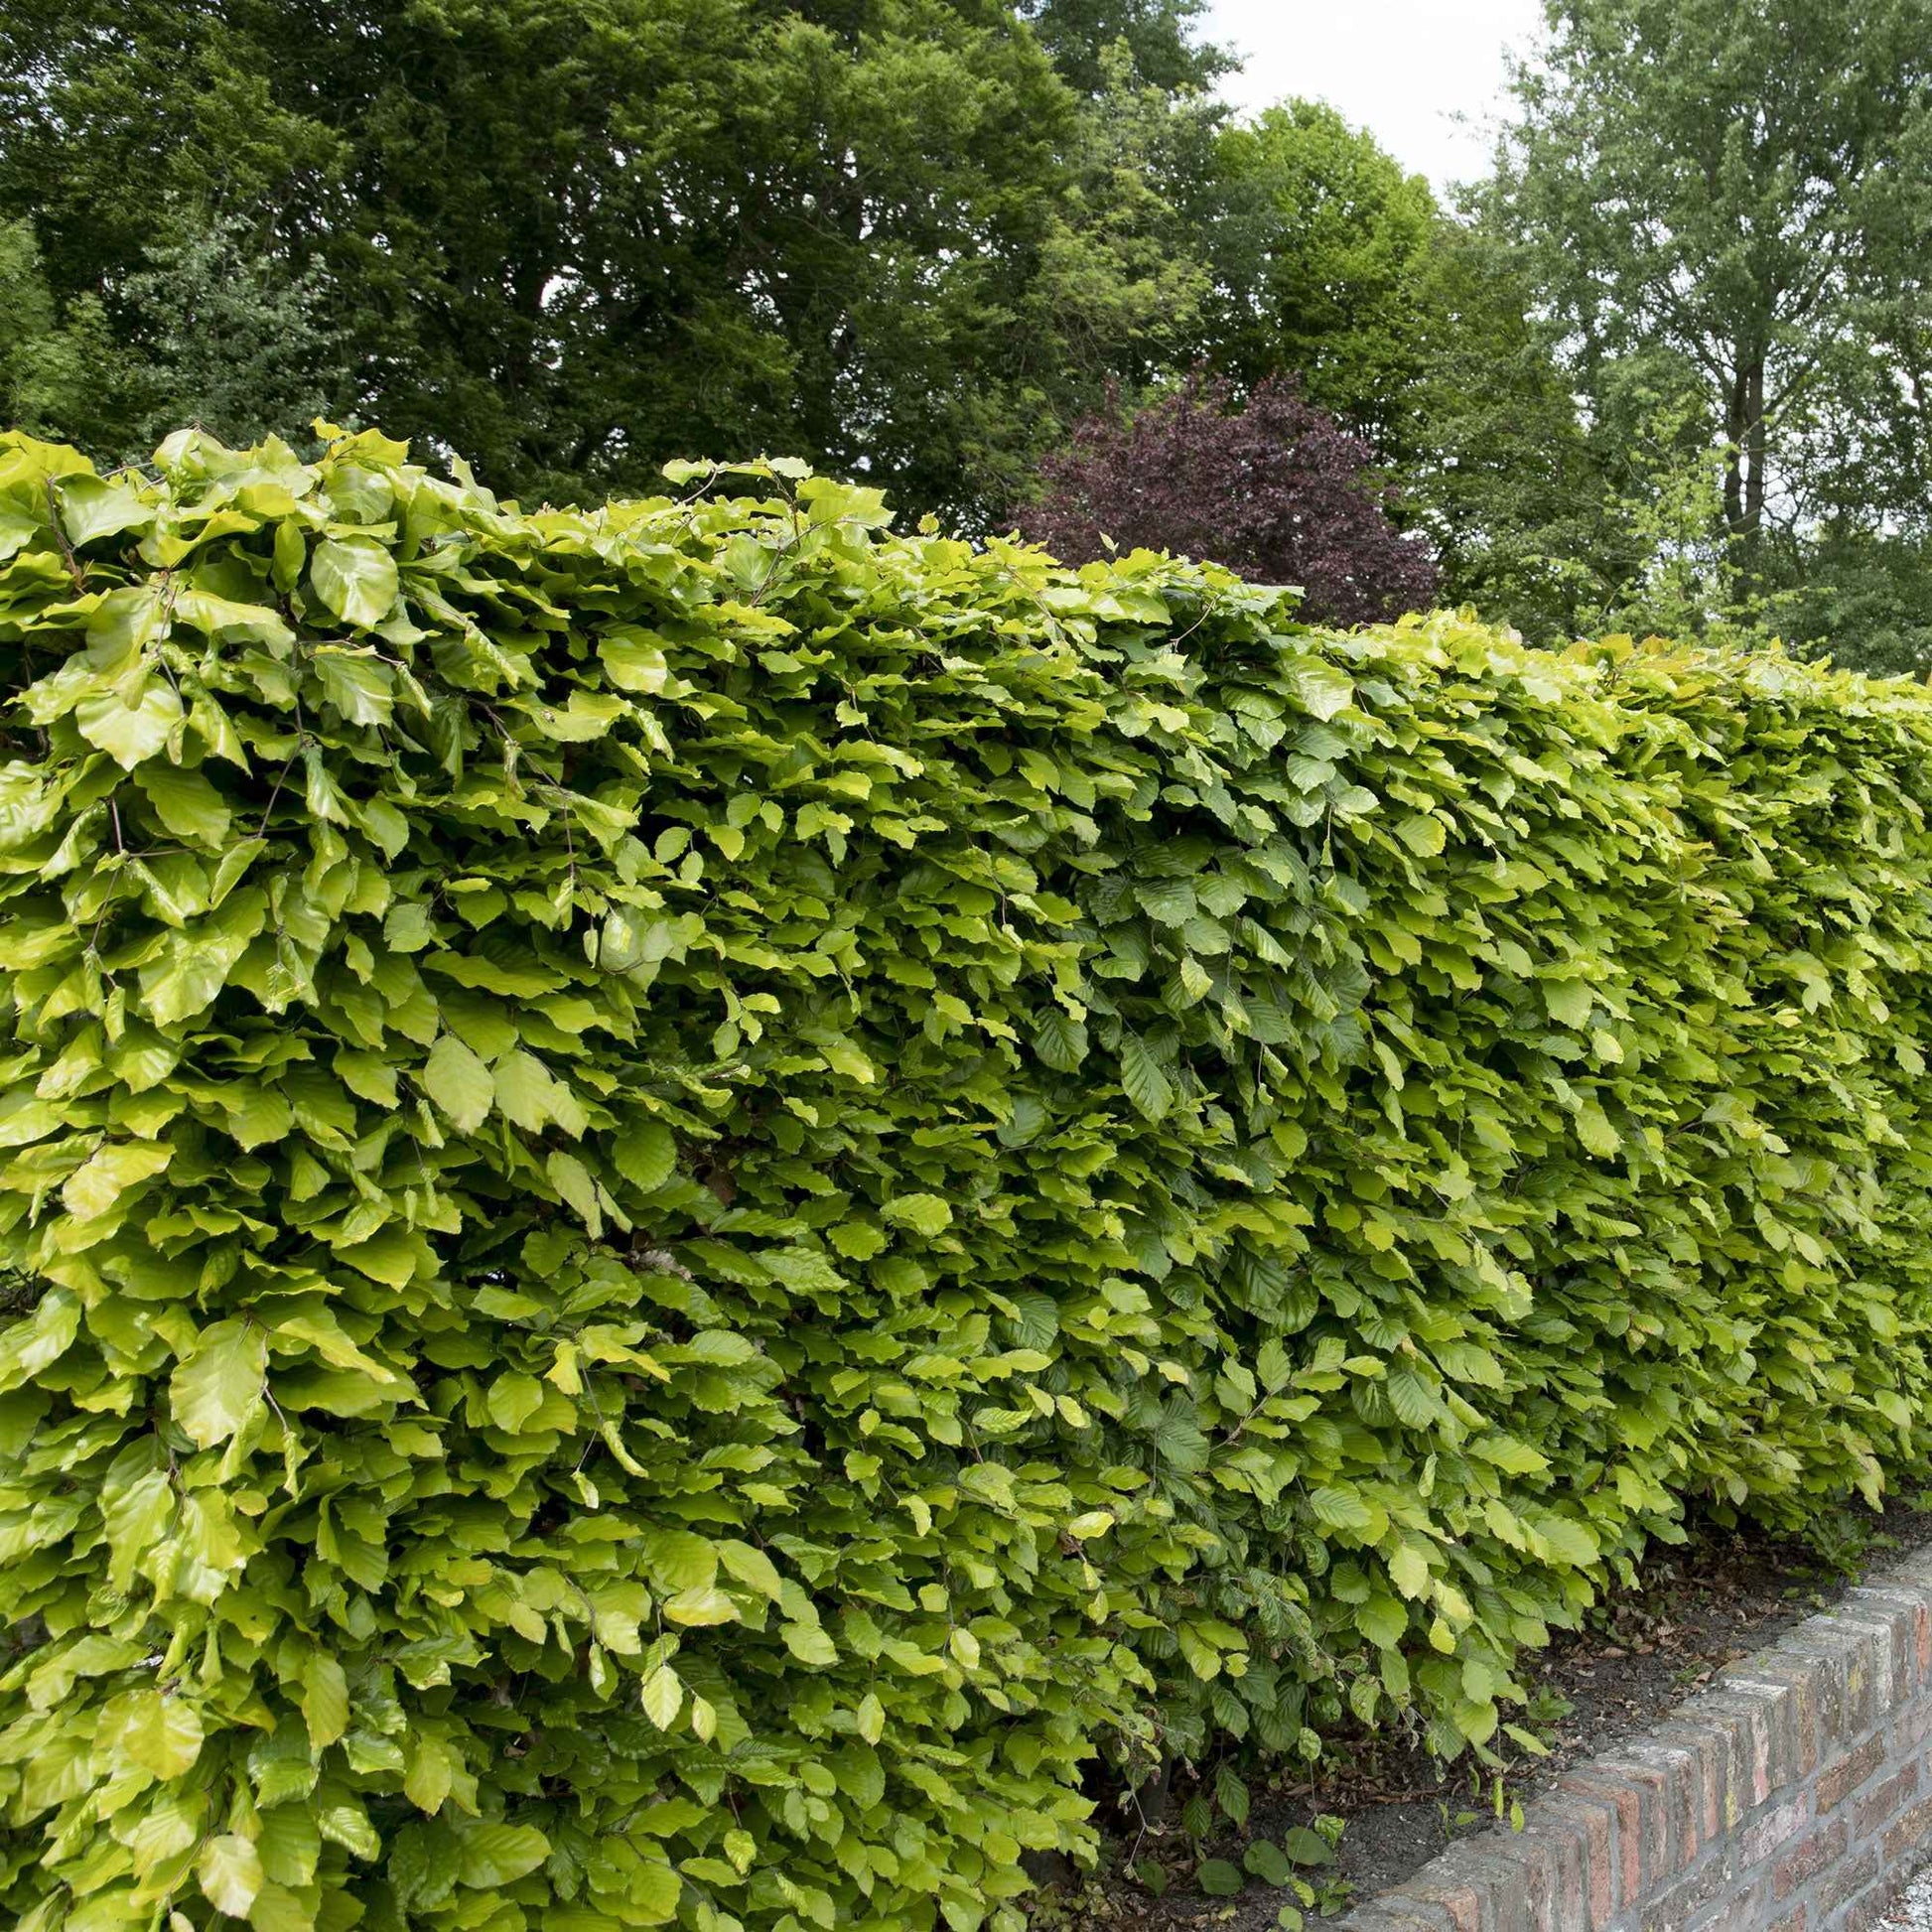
(1737, 200)
(1162, 38)
(570, 238)
(57, 361)
(1324, 254)
(1335, 265)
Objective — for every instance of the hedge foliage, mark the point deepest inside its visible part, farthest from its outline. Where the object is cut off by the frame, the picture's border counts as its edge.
(692, 1194)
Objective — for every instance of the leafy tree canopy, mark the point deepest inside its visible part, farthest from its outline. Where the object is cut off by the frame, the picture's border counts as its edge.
(1735, 201)
(1160, 35)
(568, 241)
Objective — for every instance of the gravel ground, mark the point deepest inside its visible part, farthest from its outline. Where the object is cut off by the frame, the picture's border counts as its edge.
(1913, 1912)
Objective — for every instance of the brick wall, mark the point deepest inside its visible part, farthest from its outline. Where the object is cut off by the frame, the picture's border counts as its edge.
(1794, 1796)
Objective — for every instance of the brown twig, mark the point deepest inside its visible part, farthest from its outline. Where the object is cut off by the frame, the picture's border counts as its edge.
(74, 571)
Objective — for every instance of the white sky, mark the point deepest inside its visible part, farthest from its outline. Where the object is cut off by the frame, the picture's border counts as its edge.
(1399, 67)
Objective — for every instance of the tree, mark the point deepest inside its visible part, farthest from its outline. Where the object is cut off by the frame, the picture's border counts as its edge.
(58, 363)
(1497, 468)
(1274, 488)
(568, 239)
(1125, 276)
(228, 338)
(1334, 265)
(1737, 199)
(1160, 36)
(1324, 258)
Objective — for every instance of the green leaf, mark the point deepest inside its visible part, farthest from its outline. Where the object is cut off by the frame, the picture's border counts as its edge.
(459, 1083)
(810, 1645)
(278, 1909)
(356, 577)
(1594, 1129)
(752, 1566)
(514, 1400)
(924, 1214)
(1217, 1878)
(663, 1697)
(324, 1698)
(91, 509)
(652, 1893)
(1414, 1401)
(1323, 689)
(1269, 1863)
(1570, 1000)
(1171, 902)
(1409, 1571)
(1340, 1508)
(1382, 1620)
(526, 1091)
(186, 803)
(130, 732)
(635, 664)
(1061, 1040)
(1507, 1453)
(678, 1560)
(230, 1873)
(1423, 833)
(1308, 1848)
(489, 1854)
(98, 1184)
(161, 1734)
(1568, 1542)
(646, 1154)
(390, 1257)
(289, 1844)
(358, 684)
(1142, 1079)
(219, 1386)
(704, 1606)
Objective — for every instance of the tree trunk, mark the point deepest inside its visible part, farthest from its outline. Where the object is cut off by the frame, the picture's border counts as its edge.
(1745, 447)
(1736, 431)
(1754, 447)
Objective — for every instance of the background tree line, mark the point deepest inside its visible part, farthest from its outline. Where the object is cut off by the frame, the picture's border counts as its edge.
(1664, 367)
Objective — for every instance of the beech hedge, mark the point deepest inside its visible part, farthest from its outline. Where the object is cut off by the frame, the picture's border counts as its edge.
(695, 1195)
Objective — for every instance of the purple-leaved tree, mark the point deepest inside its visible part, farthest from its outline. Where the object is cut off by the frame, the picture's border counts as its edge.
(1273, 487)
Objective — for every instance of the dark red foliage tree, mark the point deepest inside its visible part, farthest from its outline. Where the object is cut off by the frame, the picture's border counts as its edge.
(1274, 488)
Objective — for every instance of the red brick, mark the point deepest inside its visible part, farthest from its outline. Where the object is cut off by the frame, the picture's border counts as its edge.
(1461, 1904)
(1594, 1820)
(1912, 1617)
(1878, 1805)
(1627, 1801)
(1743, 1912)
(1683, 1773)
(1775, 1826)
(1792, 1694)
(1838, 1781)
(1807, 1860)
(1550, 1859)
(1746, 1723)
(1671, 1911)
(1912, 1727)
(1850, 1878)
(1710, 1746)
(1910, 1831)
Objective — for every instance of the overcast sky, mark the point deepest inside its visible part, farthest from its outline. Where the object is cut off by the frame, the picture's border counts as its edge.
(1399, 67)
